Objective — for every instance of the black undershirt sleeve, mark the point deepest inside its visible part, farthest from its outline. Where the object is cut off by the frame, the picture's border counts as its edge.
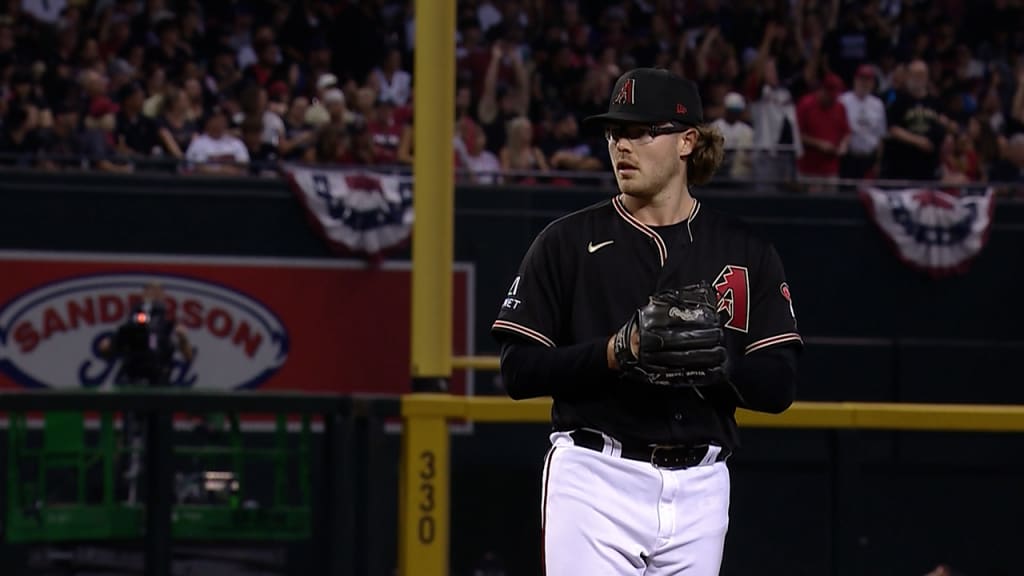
(530, 370)
(766, 379)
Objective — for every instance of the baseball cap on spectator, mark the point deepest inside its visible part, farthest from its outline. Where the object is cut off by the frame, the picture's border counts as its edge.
(866, 71)
(652, 95)
(326, 81)
(278, 91)
(832, 84)
(102, 106)
(735, 101)
(334, 95)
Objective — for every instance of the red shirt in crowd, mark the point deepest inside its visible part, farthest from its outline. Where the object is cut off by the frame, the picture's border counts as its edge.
(824, 122)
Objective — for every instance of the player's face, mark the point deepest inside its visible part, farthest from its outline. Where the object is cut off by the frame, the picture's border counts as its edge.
(645, 160)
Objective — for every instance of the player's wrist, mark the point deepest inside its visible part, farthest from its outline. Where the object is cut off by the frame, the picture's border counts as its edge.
(613, 363)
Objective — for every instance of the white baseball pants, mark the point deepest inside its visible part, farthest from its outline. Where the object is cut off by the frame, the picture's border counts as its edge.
(604, 515)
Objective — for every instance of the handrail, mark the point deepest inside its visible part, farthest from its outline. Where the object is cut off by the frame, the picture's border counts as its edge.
(424, 482)
(835, 415)
(158, 164)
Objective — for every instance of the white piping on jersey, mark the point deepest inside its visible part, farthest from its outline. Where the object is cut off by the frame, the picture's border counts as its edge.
(662, 249)
(772, 341)
(693, 214)
(523, 330)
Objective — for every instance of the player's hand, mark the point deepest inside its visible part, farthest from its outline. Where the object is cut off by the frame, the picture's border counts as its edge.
(676, 339)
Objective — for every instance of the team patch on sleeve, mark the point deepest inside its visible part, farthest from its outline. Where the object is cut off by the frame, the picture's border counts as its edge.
(784, 288)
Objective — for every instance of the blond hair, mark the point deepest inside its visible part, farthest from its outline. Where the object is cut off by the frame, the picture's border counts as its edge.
(707, 154)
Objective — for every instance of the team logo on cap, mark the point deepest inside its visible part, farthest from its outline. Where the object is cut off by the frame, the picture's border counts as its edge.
(626, 93)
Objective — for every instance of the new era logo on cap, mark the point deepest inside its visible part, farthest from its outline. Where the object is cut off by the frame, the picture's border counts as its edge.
(652, 96)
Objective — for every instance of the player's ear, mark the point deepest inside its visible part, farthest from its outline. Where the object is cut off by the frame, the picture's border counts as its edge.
(687, 142)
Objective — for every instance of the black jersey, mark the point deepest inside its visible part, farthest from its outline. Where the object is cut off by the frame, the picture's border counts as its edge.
(587, 272)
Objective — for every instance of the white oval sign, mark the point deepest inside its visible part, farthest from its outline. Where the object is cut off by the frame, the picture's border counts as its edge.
(49, 336)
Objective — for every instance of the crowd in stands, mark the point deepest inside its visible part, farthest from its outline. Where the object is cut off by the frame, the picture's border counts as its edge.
(892, 89)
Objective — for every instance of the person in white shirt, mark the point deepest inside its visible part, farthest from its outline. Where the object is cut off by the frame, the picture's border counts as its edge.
(776, 135)
(739, 137)
(473, 156)
(866, 115)
(393, 84)
(216, 151)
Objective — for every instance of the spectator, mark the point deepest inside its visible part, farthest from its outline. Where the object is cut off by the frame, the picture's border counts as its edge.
(1009, 168)
(338, 112)
(298, 135)
(519, 153)
(223, 72)
(497, 105)
(385, 133)
(27, 94)
(960, 162)
(99, 142)
(362, 151)
(393, 84)
(263, 157)
(865, 114)
(61, 146)
(332, 144)
(216, 151)
(254, 103)
(565, 148)
(824, 130)
(168, 54)
(916, 130)
(473, 156)
(739, 137)
(19, 140)
(268, 67)
(773, 115)
(174, 126)
(196, 99)
(137, 135)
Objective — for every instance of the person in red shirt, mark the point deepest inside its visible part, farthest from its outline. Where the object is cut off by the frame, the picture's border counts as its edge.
(824, 130)
(385, 132)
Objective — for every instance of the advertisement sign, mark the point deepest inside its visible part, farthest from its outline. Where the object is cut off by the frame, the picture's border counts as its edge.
(254, 323)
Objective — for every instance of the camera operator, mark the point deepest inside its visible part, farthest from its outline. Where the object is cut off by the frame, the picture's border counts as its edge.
(145, 343)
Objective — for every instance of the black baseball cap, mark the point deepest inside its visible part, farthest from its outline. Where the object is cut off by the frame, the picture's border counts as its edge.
(652, 95)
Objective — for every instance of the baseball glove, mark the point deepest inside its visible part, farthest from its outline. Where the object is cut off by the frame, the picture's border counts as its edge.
(680, 339)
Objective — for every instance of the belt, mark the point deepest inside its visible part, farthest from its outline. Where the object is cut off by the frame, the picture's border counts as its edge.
(671, 457)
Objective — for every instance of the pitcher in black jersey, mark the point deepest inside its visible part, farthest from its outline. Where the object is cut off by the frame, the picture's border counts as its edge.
(636, 481)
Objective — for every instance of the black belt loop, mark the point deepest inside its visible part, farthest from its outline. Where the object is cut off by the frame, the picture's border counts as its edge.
(670, 457)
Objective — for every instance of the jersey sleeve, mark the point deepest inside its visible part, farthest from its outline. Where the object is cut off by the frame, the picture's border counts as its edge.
(772, 316)
(532, 307)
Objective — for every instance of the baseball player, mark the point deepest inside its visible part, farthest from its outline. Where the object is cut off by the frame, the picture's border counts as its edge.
(648, 319)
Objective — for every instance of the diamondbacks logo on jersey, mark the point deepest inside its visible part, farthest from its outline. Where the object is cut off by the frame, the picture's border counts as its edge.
(511, 302)
(627, 93)
(784, 288)
(733, 286)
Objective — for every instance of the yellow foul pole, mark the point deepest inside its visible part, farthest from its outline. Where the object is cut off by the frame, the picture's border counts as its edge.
(423, 485)
(433, 194)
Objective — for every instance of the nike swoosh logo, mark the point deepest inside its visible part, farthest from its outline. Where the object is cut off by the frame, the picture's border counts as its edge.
(591, 247)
